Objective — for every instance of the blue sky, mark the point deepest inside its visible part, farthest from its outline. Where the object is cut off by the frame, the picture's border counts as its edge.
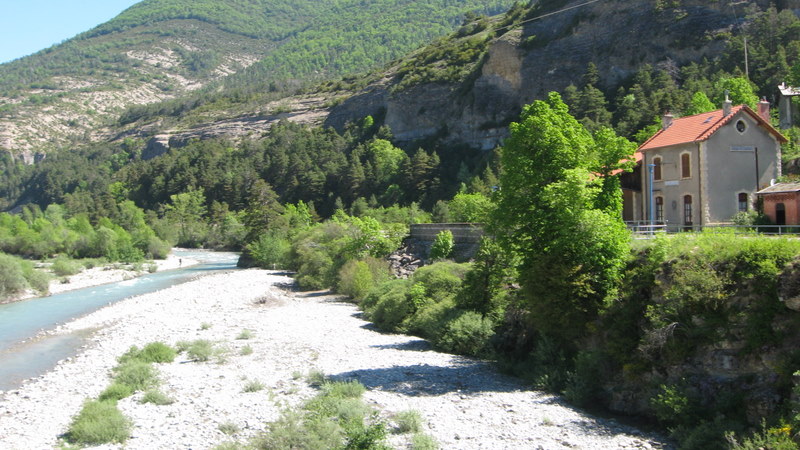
(27, 26)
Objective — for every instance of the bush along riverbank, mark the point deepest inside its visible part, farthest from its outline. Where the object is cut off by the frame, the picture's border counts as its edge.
(700, 336)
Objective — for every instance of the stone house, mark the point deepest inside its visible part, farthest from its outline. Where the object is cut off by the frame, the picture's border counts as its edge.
(706, 167)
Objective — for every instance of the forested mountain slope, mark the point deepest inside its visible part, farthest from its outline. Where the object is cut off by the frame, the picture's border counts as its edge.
(163, 49)
(647, 57)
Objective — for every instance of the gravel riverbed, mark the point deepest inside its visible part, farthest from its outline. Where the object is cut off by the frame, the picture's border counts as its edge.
(466, 404)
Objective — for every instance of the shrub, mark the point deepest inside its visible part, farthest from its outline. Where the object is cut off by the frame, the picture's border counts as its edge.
(154, 352)
(391, 306)
(201, 350)
(316, 378)
(228, 428)
(116, 391)
(99, 422)
(65, 267)
(37, 279)
(355, 279)
(246, 350)
(467, 334)
(205, 326)
(671, 405)
(138, 375)
(157, 248)
(292, 431)
(12, 277)
(270, 251)
(431, 318)
(422, 441)
(583, 383)
(441, 279)
(409, 421)
(253, 386)
(245, 334)
(442, 245)
(343, 389)
(156, 397)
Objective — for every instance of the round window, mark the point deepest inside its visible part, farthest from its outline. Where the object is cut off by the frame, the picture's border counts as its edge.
(741, 126)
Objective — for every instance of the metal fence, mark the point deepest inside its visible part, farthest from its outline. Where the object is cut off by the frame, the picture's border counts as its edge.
(644, 229)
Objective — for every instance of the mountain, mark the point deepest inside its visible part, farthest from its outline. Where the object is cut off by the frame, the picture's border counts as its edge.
(465, 88)
(549, 46)
(160, 50)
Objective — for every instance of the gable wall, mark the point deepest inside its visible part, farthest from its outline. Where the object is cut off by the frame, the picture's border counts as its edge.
(730, 165)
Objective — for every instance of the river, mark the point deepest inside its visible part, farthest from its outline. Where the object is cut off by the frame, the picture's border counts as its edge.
(25, 352)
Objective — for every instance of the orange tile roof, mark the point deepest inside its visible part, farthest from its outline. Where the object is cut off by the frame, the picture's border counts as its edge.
(700, 127)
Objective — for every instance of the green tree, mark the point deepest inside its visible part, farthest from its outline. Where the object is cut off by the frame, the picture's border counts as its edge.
(740, 91)
(556, 213)
(699, 104)
(187, 210)
(474, 208)
(263, 209)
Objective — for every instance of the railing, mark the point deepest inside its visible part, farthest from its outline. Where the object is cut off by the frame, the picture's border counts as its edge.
(643, 229)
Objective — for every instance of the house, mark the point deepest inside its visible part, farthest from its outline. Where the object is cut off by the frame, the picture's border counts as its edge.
(703, 169)
(781, 203)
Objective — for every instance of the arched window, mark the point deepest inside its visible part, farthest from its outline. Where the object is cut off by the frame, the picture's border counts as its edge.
(659, 209)
(743, 202)
(686, 165)
(657, 168)
(687, 210)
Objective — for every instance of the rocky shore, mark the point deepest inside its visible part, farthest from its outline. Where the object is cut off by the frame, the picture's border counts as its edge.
(465, 403)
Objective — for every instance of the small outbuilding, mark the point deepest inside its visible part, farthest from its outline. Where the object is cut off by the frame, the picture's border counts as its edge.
(781, 203)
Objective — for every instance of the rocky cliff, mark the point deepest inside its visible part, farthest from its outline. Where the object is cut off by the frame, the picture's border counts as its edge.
(525, 62)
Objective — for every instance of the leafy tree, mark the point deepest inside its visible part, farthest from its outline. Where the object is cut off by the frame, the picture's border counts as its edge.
(187, 210)
(557, 213)
(740, 91)
(442, 245)
(699, 104)
(474, 208)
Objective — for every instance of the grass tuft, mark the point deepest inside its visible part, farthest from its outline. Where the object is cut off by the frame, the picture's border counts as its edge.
(156, 397)
(245, 334)
(246, 350)
(253, 386)
(316, 378)
(154, 352)
(116, 391)
(409, 421)
(138, 375)
(229, 428)
(422, 441)
(99, 422)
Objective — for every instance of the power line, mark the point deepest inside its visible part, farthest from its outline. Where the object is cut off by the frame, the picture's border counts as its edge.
(557, 12)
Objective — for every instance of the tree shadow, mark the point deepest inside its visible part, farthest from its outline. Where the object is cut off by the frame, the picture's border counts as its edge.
(463, 376)
(417, 345)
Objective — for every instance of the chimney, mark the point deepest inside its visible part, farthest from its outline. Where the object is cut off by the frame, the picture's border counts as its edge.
(763, 109)
(666, 120)
(727, 105)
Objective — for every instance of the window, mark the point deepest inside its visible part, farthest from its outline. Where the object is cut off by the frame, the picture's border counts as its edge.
(687, 210)
(741, 126)
(743, 202)
(657, 168)
(686, 165)
(659, 209)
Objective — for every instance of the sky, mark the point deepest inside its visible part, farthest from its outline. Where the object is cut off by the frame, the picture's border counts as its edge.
(27, 26)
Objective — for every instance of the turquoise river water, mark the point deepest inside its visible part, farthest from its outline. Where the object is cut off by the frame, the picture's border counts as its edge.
(24, 355)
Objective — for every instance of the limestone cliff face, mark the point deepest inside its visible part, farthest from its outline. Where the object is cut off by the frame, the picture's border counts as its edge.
(526, 63)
